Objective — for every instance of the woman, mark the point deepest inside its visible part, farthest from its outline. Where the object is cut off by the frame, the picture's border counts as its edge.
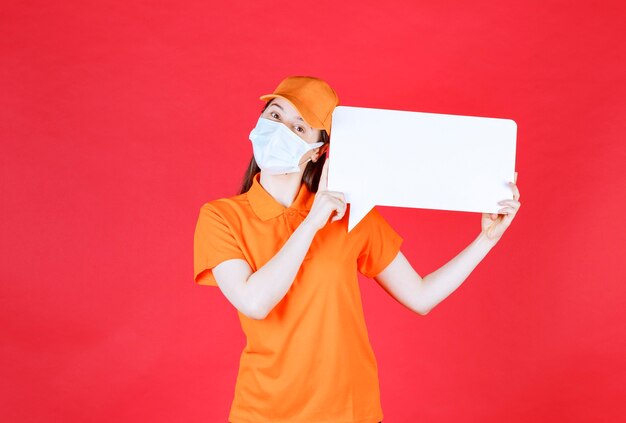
(280, 252)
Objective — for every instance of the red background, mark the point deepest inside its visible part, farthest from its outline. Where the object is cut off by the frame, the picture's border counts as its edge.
(119, 119)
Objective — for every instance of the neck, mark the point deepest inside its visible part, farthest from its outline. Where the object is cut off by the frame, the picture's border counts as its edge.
(283, 188)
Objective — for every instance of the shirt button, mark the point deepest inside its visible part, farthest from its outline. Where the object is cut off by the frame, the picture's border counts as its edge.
(291, 213)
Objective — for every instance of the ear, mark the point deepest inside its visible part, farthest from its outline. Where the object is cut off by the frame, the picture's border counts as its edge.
(318, 152)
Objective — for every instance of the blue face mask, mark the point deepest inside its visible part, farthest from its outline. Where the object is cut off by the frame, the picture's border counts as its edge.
(277, 149)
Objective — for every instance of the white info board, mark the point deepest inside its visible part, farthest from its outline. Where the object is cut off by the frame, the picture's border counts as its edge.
(420, 160)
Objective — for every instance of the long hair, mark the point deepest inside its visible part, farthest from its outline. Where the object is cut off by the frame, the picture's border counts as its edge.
(312, 171)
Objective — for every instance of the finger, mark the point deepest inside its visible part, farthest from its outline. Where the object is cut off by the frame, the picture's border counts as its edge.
(337, 195)
(340, 210)
(338, 198)
(506, 210)
(509, 202)
(340, 205)
(515, 179)
(506, 220)
(323, 184)
(337, 217)
(515, 190)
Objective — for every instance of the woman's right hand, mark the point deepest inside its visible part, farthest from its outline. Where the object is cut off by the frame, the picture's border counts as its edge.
(325, 203)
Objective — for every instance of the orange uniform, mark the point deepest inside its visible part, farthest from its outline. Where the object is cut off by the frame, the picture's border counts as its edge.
(310, 359)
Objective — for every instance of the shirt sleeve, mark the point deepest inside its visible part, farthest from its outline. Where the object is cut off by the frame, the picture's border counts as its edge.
(213, 243)
(380, 244)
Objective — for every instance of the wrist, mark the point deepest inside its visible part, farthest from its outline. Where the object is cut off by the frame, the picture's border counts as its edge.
(307, 227)
(483, 240)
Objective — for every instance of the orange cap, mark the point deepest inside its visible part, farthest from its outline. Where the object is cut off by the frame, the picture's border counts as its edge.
(311, 96)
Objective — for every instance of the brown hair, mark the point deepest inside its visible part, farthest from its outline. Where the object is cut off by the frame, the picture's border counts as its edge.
(312, 171)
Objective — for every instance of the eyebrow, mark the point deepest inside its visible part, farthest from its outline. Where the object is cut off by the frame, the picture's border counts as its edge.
(281, 108)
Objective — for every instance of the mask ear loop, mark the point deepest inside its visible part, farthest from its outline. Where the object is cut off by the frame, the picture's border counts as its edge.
(319, 146)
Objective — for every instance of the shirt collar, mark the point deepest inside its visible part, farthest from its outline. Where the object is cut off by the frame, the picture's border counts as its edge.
(266, 207)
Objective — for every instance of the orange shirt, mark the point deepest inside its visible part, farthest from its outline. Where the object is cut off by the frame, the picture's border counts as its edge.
(310, 359)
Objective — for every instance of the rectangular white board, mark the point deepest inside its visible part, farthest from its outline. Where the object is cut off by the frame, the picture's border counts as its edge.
(420, 160)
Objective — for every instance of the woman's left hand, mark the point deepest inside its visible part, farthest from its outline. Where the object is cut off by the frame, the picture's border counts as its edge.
(494, 225)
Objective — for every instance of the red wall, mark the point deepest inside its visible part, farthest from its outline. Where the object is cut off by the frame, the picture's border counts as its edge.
(119, 119)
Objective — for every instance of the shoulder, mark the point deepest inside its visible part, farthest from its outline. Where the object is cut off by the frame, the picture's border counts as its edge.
(227, 207)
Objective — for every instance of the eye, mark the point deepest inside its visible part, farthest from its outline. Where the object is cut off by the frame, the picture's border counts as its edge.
(300, 129)
(274, 113)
